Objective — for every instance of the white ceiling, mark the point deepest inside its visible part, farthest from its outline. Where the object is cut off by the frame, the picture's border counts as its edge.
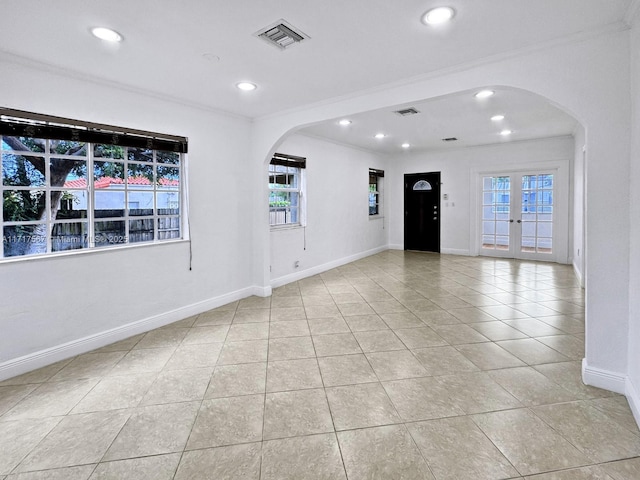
(461, 116)
(355, 45)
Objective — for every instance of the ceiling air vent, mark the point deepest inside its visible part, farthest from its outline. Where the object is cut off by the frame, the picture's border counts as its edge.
(407, 111)
(281, 35)
(450, 139)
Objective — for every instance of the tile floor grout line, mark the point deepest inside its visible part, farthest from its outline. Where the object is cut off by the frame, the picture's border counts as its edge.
(264, 400)
(559, 433)
(335, 431)
(381, 271)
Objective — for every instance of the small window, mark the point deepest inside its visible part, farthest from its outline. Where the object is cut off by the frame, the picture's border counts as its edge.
(375, 191)
(286, 190)
(422, 185)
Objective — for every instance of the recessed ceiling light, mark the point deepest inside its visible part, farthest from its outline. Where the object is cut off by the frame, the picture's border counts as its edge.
(406, 145)
(106, 34)
(344, 122)
(246, 86)
(484, 94)
(437, 16)
(211, 57)
(504, 133)
(380, 135)
(497, 118)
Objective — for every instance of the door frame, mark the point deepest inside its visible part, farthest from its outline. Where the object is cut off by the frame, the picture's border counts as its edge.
(562, 194)
(438, 208)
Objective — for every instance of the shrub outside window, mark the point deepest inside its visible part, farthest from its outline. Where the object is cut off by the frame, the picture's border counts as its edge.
(62, 192)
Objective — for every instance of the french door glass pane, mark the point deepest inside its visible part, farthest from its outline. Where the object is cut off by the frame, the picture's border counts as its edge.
(537, 213)
(496, 211)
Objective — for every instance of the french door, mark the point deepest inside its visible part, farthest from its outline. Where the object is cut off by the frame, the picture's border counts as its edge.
(517, 215)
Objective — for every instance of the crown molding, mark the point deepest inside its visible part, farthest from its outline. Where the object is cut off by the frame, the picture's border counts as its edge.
(31, 63)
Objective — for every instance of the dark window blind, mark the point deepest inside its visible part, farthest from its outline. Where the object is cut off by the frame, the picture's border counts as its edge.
(17, 123)
(288, 160)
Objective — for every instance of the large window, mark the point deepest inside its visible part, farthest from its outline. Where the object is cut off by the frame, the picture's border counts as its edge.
(70, 186)
(286, 190)
(375, 191)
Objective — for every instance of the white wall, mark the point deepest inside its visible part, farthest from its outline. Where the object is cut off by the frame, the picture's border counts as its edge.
(459, 169)
(633, 383)
(49, 302)
(578, 204)
(339, 228)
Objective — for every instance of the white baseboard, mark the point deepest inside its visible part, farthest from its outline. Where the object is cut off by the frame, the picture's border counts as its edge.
(606, 379)
(444, 251)
(261, 291)
(455, 251)
(42, 358)
(633, 397)
(309, 272)
(578, 274)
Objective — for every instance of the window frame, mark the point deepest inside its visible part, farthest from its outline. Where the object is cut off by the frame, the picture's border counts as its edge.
(375, 178)
(17, 124)
(295, 166)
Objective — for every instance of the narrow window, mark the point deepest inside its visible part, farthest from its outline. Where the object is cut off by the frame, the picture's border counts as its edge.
(286, 206)
(375, 191)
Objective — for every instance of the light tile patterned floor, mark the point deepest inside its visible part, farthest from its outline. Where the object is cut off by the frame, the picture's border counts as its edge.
(397, 366)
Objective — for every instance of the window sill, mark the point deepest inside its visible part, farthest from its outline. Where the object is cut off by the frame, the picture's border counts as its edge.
(276, 228)
(88, 251)
(376, 217)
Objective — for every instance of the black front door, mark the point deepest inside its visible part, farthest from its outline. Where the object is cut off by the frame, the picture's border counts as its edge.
(422, 212)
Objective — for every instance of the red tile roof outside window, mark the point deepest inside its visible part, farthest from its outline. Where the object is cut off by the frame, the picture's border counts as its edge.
(106, 182)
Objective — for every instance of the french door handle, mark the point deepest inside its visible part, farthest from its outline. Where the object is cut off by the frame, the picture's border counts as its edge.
(519, 221)
(511, 220)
